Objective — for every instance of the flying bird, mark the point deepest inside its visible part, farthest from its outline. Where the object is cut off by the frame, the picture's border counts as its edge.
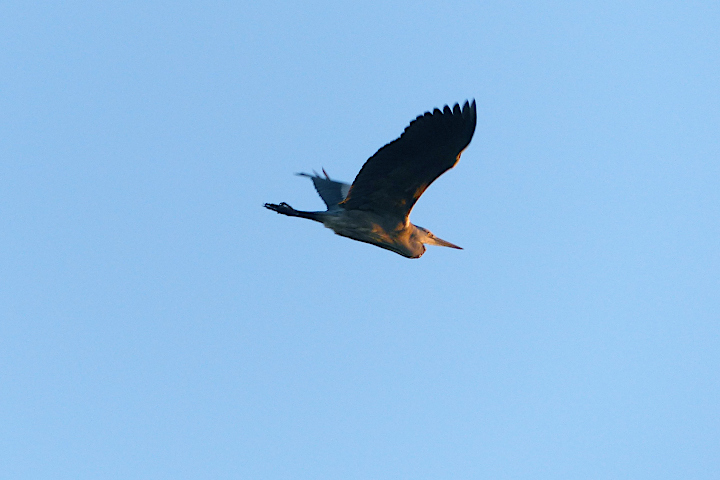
(375, 209)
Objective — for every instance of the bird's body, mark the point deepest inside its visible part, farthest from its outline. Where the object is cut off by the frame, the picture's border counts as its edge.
(375, 209)
(370, 227)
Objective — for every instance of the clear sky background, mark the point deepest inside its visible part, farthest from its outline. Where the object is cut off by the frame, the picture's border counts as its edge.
(158, 323)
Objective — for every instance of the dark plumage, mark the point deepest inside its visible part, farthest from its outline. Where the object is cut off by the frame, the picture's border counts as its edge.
(376, 207)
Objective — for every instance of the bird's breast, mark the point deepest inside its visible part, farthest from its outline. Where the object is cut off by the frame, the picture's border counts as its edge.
(367, 227)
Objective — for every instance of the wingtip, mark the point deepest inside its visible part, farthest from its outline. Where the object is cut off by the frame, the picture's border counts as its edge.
(314, 175)
(469, 106)
(469, 111)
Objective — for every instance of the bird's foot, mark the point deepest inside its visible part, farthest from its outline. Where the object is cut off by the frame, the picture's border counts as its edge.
(282, 208)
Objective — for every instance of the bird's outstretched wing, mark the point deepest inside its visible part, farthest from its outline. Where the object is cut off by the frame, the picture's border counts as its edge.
(330, 191)
(392, 180)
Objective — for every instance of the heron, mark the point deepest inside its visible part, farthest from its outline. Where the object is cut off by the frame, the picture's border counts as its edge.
(375, 209)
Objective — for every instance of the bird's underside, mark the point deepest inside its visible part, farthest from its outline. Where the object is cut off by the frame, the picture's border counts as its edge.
(376, 207)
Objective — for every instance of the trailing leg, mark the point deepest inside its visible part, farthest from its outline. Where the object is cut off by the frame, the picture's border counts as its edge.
(285, 209)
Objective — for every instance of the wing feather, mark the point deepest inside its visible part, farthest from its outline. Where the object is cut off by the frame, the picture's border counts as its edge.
(330, 191)
(393, 179)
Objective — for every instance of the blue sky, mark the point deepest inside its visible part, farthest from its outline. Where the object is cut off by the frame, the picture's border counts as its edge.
(157, 322)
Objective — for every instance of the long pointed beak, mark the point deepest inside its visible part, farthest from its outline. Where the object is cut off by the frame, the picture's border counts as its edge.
(443, 243)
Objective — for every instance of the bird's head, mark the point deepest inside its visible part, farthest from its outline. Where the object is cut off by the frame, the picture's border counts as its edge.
(425, 236)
